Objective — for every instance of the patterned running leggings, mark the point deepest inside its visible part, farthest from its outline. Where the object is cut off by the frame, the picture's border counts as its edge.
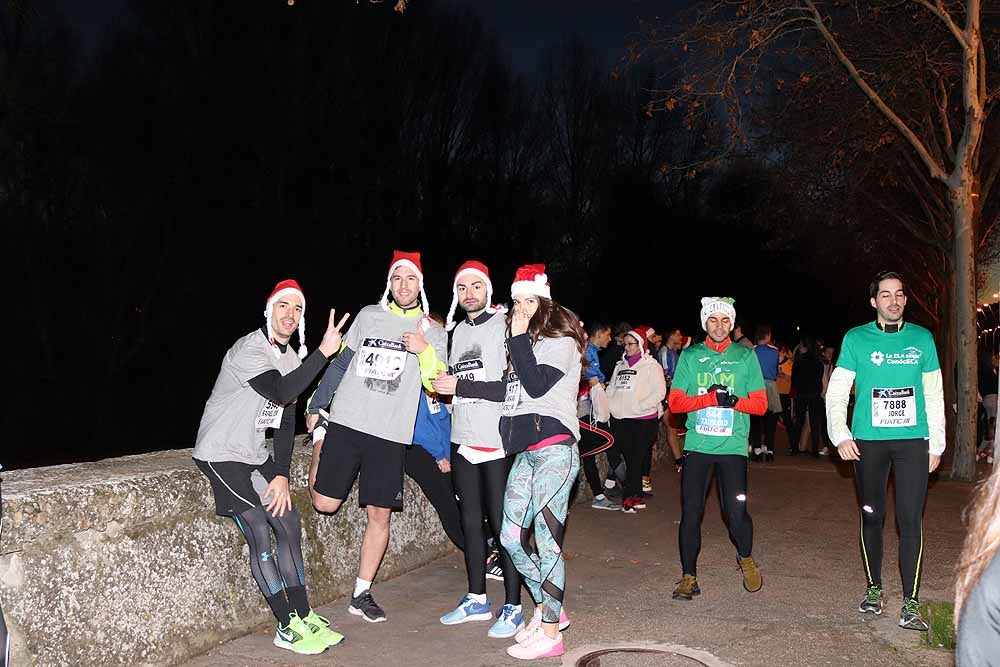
(537, 496)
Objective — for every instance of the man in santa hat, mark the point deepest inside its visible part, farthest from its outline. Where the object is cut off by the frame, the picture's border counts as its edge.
(256, 390)
(391, 349)
(479, 463)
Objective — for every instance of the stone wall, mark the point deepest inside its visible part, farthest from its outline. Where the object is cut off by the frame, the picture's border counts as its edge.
(123, 561)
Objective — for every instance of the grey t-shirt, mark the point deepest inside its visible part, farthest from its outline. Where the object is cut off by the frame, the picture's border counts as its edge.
(379, 392)
(478, 354)
(236, 417)
(558, 402)
(978, 640)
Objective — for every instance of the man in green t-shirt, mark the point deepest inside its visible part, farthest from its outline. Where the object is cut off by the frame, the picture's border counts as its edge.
(898, 423)
(719, 384)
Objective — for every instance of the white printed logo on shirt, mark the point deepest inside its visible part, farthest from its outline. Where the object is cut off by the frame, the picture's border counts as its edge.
(894, 408)
(381, 359)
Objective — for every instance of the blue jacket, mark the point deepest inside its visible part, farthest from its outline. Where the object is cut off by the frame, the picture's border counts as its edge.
(767, 355)
(593, 369)
(433, 431)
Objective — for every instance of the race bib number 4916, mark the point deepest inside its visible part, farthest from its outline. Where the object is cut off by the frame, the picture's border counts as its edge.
(894, 408)
(381, 359)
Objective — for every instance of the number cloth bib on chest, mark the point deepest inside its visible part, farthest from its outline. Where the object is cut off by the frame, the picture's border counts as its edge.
(473, 370)
(625, 379)
(513, 395)
(714, 422)
(894, 408)
(269, 417)
(381, 359)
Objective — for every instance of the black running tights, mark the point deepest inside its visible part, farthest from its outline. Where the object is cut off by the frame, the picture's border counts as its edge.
(480, 488)
(909, 462)
(635, 438)
(731, 476)
(280, 571)
(421, 467)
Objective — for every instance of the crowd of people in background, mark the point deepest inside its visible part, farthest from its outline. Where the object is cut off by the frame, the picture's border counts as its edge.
(495, 421)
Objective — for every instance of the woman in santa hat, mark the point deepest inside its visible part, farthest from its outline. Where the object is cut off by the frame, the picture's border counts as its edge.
(538, 423)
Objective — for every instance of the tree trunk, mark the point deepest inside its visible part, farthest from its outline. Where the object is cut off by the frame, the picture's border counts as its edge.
(963, 211)
(947, 345)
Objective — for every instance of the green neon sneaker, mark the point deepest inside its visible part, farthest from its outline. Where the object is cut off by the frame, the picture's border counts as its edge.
(298, 637)
(909, 616)
(872, 604)
(320, 627)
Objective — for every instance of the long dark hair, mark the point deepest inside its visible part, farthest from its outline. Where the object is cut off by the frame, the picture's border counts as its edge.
(554, 321)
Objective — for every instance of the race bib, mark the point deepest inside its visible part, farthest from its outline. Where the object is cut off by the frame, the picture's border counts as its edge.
(469, 369)
(894, 408)
(433, 404)
(269, 417)
(381, 359)
(714, 421)
(625, 379)
(513, 395)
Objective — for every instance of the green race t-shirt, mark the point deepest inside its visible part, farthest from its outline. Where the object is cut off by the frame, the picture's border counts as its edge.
(718, 430)
(888, 379)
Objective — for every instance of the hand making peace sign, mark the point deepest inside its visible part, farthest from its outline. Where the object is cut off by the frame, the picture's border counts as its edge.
(331, 339)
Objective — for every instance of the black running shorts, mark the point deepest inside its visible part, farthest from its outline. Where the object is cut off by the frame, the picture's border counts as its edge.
(237, 486)
(346, 453)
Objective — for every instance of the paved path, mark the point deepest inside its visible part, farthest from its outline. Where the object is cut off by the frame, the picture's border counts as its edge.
(622, 568)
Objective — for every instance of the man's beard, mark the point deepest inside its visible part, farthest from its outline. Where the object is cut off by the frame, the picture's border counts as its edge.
(480, 305)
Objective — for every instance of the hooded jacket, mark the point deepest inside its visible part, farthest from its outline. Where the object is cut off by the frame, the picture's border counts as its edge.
(637, 391)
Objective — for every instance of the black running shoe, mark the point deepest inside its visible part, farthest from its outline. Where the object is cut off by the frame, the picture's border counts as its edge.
(493, 569)
(365, 606)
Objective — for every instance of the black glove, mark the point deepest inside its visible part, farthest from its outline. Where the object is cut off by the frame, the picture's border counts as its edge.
(722, 396)
(679, 462)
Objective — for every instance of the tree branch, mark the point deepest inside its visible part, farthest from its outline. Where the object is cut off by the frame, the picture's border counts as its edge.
(935, 170)
(942, 13)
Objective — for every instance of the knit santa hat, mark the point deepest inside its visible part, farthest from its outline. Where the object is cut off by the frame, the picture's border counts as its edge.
(642, 334)
(716, 304)
(473, 269)
(284, 288)
(530, 279)
(411, 260)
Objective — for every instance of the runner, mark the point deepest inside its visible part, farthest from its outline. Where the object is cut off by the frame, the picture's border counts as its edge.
(256, 390)
(635, 392)
(479, 464)
(539, 425)
(898, 423)
(390, 350)
(719, 383)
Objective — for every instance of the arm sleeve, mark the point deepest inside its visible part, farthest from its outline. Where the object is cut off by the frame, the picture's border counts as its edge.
(838, 393)
(489, 391)
(431, 359)
(754, 404)
(321, 398)
(934, 407)
(535, 378)
(655, 387)
(681, 402)
(593, 369)
(284, 389)
(284, 441)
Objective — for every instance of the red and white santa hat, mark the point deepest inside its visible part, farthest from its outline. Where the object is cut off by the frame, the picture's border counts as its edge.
(284, 288)
(411, 260)
(643, 334)
(530, 279)
(478, 270)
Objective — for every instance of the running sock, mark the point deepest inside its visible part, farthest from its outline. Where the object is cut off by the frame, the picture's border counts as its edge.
(478, 597)
(279, 607)
(360, 586)
(298, 601)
